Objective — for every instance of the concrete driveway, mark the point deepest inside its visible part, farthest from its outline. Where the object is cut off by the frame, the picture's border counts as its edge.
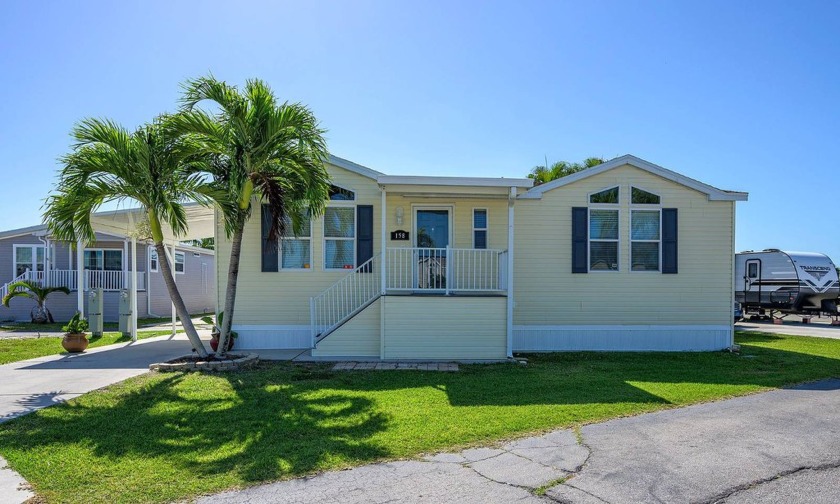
(29, 385)
(780, 446)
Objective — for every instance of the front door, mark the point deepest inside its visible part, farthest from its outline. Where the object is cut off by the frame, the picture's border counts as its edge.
(432, 232)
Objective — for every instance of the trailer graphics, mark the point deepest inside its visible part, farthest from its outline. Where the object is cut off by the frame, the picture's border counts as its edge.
(803, 283)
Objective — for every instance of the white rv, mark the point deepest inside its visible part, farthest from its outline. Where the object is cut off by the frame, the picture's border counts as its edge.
(788, 282)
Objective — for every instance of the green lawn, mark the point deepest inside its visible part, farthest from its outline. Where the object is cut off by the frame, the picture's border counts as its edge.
(13, 350)
(165, 437)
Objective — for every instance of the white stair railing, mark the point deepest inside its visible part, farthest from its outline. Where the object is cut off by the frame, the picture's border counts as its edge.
(345, 298)
(5, 288)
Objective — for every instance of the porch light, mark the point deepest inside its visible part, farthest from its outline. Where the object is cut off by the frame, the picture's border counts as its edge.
(399, 215)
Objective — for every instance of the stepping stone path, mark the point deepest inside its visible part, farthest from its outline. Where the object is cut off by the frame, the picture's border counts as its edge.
(382, 366)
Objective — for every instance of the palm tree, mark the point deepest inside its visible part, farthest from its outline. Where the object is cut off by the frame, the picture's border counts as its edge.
(543, 174)
(260, 149)
(33, 290)
(153, 166)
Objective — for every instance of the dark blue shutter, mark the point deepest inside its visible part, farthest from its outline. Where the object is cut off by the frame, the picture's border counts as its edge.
(580, 234)
(364, 237)
(669, 240)
(269, 249)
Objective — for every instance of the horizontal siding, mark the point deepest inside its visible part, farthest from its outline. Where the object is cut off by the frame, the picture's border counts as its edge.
(444, 327)
(547, 293)
(358, 337)
(617, 338)
(282, 298)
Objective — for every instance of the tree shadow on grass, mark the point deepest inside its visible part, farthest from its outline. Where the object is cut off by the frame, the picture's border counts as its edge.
(251, 428)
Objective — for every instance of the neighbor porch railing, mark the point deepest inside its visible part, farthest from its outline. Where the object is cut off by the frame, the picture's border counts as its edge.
(94, 279)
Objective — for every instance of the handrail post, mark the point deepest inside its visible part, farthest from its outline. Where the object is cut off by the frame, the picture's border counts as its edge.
(447, 273)
(312, 321)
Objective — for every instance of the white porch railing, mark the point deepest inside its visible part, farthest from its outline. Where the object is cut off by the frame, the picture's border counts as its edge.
(345, 298)
(445, 270)
(94, 279)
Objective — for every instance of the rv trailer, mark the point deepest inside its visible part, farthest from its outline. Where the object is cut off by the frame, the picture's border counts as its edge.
(788, 282)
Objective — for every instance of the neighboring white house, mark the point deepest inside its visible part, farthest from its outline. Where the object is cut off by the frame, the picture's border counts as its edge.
(623, 256)
(109, 264)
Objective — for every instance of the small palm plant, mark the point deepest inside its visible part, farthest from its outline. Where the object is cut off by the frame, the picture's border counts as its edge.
(33, 290)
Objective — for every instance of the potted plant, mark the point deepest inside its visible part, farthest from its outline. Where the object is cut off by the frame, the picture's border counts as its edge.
(34, 291)
(75, 340)
(216, 332)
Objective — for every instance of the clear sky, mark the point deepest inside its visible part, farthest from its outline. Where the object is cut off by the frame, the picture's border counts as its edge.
(741, 95)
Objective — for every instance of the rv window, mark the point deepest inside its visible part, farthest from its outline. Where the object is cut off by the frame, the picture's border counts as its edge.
(752, 270)
(603, 240)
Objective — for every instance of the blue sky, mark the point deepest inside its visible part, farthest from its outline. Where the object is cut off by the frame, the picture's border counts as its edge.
(741, 95)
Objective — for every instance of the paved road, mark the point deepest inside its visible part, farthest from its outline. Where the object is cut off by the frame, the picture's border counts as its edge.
(819, 328)
(781, 446)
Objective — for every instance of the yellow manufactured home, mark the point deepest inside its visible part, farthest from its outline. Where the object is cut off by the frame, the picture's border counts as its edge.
(623, 256)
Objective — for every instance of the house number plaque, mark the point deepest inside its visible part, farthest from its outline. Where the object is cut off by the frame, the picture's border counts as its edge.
(399, 235)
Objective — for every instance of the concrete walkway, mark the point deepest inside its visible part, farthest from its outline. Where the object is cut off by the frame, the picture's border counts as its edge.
(33, 384)
(819, 327)
(780, 446)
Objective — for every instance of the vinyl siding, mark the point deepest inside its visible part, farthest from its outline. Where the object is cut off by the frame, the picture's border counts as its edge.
(358, 337)
(547, 293)
(437, 327)
(282, 297)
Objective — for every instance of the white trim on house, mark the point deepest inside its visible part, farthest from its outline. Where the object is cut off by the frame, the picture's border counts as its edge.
(454, 181)
(258, 337)
(616, 338)
(354, 167)
(713, 193)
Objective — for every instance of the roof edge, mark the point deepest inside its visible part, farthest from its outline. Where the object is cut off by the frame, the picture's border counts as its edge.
(712, 192)
(354, 167)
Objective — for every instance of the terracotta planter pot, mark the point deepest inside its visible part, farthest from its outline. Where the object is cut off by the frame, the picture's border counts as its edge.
(214, 343)
(74, 342)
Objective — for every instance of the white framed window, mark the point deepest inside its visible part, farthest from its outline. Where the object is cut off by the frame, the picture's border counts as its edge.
(604, 229)
(153, 260)
(480, 228)
(180, 262)
(603, 239)
(645, 231)
(340, 237)
(28, 257)
(645, 240)
(296, 250)
(103, 259)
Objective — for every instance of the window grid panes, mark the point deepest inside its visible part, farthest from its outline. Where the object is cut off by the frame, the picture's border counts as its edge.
(480, 228)
(340, 237)
(28, 257)
(180, 262)
(645, 236)
(296, 249)
(603, 240)
(103, 260)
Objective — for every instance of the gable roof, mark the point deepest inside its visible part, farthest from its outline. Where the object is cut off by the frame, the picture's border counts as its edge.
(713, 193)
(354, 167)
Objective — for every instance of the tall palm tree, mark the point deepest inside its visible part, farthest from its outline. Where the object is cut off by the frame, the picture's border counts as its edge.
(154, 166)
(260, 150)
(34, 291)
(543, 174)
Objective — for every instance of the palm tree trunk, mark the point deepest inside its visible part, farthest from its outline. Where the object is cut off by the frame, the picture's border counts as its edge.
(180, 307)
(230, 293)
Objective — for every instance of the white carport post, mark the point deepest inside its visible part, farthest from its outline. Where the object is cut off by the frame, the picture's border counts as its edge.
(133, 287)
(511, 200)
(174, 276)
(80, 278)
(383, 244)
